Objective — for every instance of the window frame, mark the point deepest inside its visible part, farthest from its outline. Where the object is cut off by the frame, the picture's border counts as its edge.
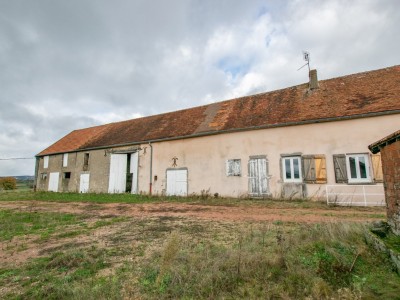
(46, 161)
(65, 160)
(238, 163)
(291, 159)
(358, 179)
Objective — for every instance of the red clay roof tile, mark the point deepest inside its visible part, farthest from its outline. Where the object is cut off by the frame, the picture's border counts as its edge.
(348, 96)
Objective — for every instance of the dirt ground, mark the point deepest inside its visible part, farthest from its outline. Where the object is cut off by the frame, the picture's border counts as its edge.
(147, 225)
(258, 213)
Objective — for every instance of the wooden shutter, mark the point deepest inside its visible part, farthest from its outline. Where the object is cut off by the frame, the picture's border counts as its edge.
(314, 168)
(339, 163)
(377, 167)
(308, 169)
(320, 169)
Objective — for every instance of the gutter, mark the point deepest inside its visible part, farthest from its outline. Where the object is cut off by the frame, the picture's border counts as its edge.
(207, 133)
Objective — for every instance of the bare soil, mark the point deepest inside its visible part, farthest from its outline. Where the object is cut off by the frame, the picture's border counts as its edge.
(145, 224)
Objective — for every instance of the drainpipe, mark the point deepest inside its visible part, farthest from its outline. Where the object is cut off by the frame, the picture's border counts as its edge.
(151, 168)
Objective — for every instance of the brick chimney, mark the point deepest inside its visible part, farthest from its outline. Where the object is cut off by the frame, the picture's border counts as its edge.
(313, 80)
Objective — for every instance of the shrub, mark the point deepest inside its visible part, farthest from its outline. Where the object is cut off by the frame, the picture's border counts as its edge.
(8, 183)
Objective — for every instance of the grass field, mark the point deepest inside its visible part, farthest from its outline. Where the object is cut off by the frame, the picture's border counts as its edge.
(96, 255)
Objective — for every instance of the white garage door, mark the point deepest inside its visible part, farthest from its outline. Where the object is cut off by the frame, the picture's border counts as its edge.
(176, 182)
(53, 182)
(84, 183)
(118, 166)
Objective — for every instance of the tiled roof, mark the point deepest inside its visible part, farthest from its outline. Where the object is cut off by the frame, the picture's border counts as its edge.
(349, 96)
(376, 147)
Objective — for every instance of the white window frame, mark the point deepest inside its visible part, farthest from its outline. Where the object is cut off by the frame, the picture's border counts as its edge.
(358, 179)
(237, 171)
(291, 159)
(65, 160)
(46, 162)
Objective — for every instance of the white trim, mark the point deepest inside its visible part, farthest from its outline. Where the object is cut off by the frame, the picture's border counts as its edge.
(291, 159)
(358, 179)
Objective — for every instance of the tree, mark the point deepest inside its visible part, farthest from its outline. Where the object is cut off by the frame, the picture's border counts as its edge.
(8, 183)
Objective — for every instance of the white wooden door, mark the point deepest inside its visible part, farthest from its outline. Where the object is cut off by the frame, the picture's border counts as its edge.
(177, 182)
(84, 183)
(53, 181)
(134, 171)
(258, 177)
(117, 180)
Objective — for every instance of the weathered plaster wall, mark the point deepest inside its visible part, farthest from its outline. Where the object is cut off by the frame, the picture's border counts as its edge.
(205, 157)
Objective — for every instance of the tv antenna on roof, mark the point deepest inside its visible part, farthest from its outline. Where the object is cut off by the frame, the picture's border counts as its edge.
(306, 57)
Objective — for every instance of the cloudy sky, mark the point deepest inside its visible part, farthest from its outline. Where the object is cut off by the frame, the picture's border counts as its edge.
(72, 64)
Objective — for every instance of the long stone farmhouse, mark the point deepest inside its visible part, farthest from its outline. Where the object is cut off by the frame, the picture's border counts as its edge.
(309, 140)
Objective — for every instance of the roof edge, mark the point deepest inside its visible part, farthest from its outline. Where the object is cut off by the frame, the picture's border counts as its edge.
(208, 133)
(391, 138)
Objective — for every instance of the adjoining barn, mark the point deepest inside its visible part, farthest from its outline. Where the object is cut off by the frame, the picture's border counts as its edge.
(309, 140)
(389, 147)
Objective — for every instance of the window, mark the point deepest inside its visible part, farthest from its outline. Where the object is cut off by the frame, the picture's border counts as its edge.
(46, 162)
(43, 176)
(86, 162)
(233, 167)
(65, 160)
(67, 175)
(352, 168)
(291, 167)
(358, 168)
(314, 168)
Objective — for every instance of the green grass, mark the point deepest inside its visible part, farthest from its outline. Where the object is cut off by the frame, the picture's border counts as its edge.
(108, 257)
(14, 223)
(129, 198)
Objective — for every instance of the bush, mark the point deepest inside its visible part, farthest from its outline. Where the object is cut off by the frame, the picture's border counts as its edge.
(8, 183)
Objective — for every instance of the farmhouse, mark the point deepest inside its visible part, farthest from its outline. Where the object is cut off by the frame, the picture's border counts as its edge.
(309, 140)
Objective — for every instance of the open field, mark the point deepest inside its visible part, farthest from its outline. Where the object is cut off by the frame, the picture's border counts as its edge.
(149, 248)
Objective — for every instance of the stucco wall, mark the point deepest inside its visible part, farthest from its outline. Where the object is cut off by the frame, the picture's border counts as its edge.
(205, 157)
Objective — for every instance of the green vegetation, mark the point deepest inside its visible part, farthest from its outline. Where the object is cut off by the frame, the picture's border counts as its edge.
(23, 223)
(109, 257)
(130, 198)
(8, 183)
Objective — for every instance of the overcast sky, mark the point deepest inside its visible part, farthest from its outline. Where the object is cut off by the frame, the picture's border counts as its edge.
(71, 64)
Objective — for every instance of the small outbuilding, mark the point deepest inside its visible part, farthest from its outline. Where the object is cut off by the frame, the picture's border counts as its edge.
(389, 147)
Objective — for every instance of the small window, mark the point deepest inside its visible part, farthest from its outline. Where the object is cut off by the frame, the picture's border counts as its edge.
(291, 167)
(65, 160)
(358, 168)
(86, 162)
(43, 176)
(233, 167)
(67, 175)
(45, 162)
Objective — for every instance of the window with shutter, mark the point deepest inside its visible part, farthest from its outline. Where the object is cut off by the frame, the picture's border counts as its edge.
(339, 163)
(377, 167)
(233, 167)
(291, 167)
(314, 168)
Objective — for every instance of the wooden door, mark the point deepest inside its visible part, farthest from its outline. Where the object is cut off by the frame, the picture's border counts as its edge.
(258, 177)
